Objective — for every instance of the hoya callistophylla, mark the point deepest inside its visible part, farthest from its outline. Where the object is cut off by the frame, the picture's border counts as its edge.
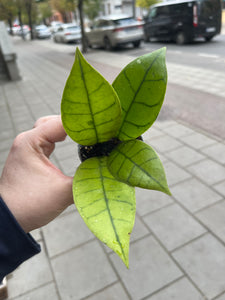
(95, 112)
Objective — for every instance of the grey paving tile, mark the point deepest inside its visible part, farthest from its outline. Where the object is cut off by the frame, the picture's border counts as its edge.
(194, 195)
(173, 226)
(6, 145)
(175, 174)
(68, 150)
(180, 290)
(185, 156)
(197, 140)
(165, 124)
(36, 234)
(6, 134)
(47, 292)
(66, 232)
(208, 171)
(114, 292)
(204, 261)
(22, 282)
(178, 130)
(222, 297)
(150, 268)
(82, 271)
(165, 143)
(220, 187)
(152, 133)
(216, 151)
(69, 165)
(213, 218)
(148, 201)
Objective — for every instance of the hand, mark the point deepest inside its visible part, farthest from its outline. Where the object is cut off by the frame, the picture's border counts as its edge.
(34, 189)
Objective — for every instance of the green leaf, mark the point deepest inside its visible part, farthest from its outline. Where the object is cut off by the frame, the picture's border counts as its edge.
(106, 205)
(141, 88)
(90, 108)
(137, 164)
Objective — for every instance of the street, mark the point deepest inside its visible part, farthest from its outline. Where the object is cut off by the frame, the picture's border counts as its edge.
(196, 89)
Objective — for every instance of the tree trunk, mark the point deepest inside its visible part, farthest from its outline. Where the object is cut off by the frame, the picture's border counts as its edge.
(84, 44)
(21, 23)
(134, 8)
(10, 26)
(29, 14)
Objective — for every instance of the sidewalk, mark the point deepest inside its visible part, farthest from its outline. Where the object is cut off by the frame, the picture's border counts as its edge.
(178, 243)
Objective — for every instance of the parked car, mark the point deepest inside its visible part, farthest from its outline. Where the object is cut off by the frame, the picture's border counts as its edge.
(55, 26)
(68, 33)
(42, 32)
(26, 30)
(115, 30)
(184, 20)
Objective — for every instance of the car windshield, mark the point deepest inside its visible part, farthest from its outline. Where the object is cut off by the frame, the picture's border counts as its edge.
(209, 7)
(72, 28)
(123, 22)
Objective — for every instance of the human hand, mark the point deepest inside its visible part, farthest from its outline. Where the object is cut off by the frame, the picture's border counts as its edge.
(34, 189)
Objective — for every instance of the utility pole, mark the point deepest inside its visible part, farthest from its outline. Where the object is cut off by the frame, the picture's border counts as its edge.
(134, 8)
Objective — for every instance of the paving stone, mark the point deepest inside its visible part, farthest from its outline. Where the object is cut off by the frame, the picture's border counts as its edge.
(164, 143)
(173, 226)
(165, 124)
(36, 234)
(180, 290)
(151, 134)
(216, 151)
(6, 134)
(147, 272)
(22, 281)
(6, 145)
(66, 232)
(220, 187)
(47, 292)
(114, 292)
(178, 130)
(213, 218)
(185, 156)
(204, 261)
(208, 171)
(197, 140)
(82, 271)
(175, 174)
(67, 151)
(148, 201)
(69, 165)
(222, 297)
(194, 195)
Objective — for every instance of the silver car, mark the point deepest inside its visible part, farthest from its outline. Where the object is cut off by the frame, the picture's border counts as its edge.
(115, 30)
(67, 33)
(42, 32)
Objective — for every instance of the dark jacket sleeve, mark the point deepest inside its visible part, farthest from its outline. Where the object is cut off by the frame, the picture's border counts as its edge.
(16, 246)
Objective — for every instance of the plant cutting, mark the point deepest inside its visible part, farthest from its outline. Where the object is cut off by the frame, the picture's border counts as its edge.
(106, 121)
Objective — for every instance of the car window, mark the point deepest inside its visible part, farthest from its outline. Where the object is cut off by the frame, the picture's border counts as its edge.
(73, 28)
(153, 13)
(209, 7)
(122, 22)
(162, 11)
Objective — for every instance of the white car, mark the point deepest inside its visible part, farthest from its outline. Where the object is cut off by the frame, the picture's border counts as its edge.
(68, 33)
(42, 32)
(115, 30)
(55, 26)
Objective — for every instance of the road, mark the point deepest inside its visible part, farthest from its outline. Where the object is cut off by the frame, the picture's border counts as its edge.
(196, 82)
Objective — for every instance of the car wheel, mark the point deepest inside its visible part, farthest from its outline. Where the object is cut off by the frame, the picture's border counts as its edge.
(208, 38)
(107, 44)
(136, 44)
(55, 39)
(180, 38)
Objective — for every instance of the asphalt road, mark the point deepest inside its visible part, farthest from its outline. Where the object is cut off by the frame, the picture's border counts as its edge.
(198, 109)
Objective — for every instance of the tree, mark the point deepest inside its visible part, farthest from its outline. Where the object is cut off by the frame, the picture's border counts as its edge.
(7, 12)
(92, 8)
(64, 6)
(145, 3)
(45, 11)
